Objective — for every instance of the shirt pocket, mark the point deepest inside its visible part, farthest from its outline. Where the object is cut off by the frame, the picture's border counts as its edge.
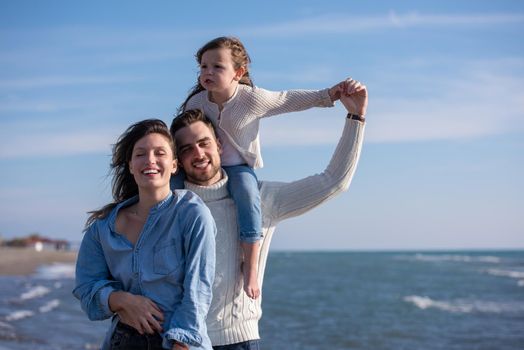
(167, 258)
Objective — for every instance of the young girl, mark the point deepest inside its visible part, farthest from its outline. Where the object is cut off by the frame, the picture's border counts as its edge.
(148, 258)
(226, 94)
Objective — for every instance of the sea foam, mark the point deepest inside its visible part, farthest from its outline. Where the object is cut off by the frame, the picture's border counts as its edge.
(464, 305)
(506, 273)
(7, 332)
(50, 305)
(457, 258)
(18, 315)
(56, 271)
(35, 292)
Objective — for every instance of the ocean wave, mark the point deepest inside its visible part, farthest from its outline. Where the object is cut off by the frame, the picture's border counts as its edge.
(506, 273)
(18, 315)
(21, 314)
(50, 305)
(35, 292)
(456, 258)
(7, 332)
(56, 271)
(465, 305)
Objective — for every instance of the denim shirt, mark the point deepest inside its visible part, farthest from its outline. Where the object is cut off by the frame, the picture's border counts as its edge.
(172, 263)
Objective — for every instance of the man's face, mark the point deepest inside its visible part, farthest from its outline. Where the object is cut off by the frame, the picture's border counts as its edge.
(199, 154)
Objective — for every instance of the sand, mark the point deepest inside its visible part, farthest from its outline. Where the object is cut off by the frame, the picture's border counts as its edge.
(25, 261)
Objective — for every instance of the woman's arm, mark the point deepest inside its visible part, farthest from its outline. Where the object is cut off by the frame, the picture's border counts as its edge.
(188, 321)
(94, 283)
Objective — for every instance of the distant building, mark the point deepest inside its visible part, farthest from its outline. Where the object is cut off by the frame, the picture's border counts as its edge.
(38, 242)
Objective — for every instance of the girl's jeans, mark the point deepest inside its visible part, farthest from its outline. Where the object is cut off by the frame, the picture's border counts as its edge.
(243, 188)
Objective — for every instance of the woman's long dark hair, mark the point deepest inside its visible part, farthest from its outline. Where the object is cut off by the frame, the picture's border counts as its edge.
(238, 55)
(123, 183)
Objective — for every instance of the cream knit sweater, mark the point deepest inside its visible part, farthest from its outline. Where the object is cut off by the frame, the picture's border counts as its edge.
(241, 114)
(233, 316)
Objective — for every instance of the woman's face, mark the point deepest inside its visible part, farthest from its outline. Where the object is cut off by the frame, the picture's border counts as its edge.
(152, 162)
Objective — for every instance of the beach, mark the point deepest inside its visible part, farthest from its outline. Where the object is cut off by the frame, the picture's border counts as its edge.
(312, 300)
(25, 261)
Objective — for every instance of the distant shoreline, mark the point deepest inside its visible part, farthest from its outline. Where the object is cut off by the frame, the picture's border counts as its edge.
(25, 261)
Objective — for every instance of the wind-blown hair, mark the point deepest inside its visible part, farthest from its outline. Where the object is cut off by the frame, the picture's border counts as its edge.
(238, 55)
(123, 183)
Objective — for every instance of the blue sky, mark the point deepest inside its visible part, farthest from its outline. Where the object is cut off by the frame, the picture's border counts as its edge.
(443, 159)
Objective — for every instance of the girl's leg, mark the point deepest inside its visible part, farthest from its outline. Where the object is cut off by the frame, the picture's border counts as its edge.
(243, 187)
(250, 268)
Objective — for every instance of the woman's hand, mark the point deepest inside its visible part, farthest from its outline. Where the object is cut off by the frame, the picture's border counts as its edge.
(137, 311)
(354, 97)
(180, 346)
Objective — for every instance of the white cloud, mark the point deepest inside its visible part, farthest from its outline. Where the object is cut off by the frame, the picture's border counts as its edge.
(56, 143)
(53, 81)
(350, 23)
(317, 126)
(476, 103)
(15, 104)
(306, 75)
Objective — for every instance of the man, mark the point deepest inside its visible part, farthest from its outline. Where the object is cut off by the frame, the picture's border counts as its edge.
(233, 317)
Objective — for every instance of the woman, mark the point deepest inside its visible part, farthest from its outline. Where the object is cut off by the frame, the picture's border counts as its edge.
(148, 258)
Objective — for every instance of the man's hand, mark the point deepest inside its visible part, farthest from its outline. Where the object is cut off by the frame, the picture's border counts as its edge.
(354, 97)
(137, 311)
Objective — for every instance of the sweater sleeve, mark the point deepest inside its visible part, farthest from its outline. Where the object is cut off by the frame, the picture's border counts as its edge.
(284, 200)
(265, 103)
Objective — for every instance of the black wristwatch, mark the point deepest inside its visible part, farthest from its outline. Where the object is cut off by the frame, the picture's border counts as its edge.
(360, 118)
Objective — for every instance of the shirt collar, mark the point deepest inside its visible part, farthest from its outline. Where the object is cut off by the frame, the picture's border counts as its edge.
(130, 201)
(239, 86)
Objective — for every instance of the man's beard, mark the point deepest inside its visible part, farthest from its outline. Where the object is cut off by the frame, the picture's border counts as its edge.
(200, 178)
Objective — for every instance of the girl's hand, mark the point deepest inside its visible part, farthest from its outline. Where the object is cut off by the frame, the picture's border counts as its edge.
(354, 97)
(137, 311)
(336, 90)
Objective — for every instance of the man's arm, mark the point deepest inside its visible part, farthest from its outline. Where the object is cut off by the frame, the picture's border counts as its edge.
(284, 200)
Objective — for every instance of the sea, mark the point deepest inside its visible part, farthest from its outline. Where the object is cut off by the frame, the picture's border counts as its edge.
(320, 300)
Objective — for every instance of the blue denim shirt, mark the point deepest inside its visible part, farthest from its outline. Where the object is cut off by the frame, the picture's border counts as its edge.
(172, 263)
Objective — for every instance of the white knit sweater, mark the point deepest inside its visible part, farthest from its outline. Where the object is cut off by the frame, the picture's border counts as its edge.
(233, 316)
(240, 117)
